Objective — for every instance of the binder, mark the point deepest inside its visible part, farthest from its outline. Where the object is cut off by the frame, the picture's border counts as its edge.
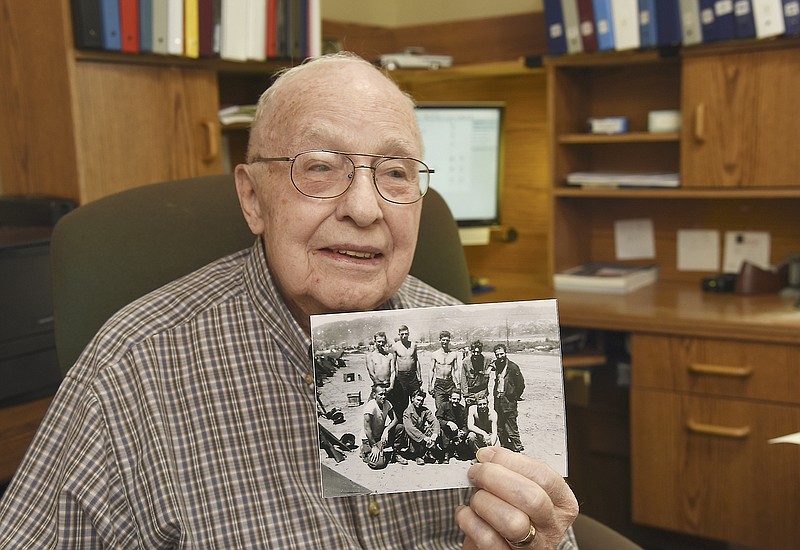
(315, 28)
(256, 28)
(175, 27)
(569, 9)
(625, 14)
(743, 15)
(708, 23)
(586, 25)
(191, 28)
(648, 30)
(554, 19)
(233, 35)
(129, 25)
(668, 23)
(690, 22)
(146, 26)
(768, 18)
(604, 24)
(109, 11)
(205, 28)
(724, 19)
(791, 17)
(87, 24)
(160, 24)
(272, 28)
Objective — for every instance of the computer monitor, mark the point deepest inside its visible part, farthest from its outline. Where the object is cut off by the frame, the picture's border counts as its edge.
(464, 145)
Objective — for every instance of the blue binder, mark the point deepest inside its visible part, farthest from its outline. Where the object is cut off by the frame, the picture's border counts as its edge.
(604, 24)
(109, 11)
(648, 30)
(708, 21)
(556, 35)
(725, 20)
(791, 17)
(668, 23)
(743, 15)
(146, 26)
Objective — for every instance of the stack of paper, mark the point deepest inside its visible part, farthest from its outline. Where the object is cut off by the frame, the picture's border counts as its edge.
(623, 179)
(606, 277)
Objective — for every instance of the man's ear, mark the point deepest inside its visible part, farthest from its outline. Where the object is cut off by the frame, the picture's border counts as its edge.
(247, 189)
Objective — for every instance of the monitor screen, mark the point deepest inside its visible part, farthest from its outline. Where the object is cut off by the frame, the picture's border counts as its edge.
(463, 145)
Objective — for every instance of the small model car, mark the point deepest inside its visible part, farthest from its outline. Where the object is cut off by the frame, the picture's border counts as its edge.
(414, 58)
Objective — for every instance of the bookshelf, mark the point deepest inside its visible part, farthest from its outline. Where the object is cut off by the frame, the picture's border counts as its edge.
(739, 171)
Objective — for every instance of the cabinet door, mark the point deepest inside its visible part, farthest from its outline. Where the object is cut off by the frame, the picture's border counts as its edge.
(704, 466)
(144, 124)
(740, 124)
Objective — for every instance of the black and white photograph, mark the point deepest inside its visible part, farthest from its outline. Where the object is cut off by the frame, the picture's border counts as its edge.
(405, 398)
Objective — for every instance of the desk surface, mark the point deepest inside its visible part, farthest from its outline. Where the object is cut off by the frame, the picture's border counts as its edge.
(665, 308)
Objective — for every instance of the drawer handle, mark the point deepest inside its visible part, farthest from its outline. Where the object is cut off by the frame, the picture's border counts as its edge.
(719, 370)
(700, 122)
(212, 141)
(720, 431)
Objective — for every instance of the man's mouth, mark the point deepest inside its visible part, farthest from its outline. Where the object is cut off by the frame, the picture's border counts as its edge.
(356, 254)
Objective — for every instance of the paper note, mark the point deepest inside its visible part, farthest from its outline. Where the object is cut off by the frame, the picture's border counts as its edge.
(634, 239)
(791, 438)
(698, 250)
(740, 246)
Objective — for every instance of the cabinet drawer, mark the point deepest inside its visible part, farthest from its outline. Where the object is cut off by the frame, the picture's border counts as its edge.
(703, 466)
(717, 367)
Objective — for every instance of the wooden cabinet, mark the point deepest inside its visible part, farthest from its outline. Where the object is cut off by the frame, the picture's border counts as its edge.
(702, 413)
(83, 124)
(739, 117)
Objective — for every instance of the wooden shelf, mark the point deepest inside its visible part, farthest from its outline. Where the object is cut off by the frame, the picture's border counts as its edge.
(759, 193)
(629, 137)
(212, 64)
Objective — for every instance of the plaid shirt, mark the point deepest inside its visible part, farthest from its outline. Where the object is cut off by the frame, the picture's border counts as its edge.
(189, 422)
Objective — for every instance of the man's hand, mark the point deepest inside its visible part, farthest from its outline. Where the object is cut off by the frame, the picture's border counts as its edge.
(514, 493)
(375, 453)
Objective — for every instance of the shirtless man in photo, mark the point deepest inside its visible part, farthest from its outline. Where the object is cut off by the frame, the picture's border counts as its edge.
(381, 365)
(409, 374)
(444, 371)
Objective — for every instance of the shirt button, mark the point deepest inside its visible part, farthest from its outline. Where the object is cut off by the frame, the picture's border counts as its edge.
(373, 508)
(308, 379)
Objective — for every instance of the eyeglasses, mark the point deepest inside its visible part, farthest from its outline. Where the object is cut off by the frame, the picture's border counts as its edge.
(329, 174)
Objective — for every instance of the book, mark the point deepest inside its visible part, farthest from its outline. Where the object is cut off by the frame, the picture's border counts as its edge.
(668, 23)
(233, 30)
(129, 25)
(604, 24)
(314, 28)
(625, 14)
(648, 29)
(690, 22)
(768, 18)
(708, 24)
(191, 28)
(160, 23)
(586, 25)
(569, 9)
(556, 39)
(237, 115)
(743, 14)
(256, 29)
(608, 277)
(623, 179)
(175, 27)
(791, 17)
(109, 11)
(724, 19)
(146, 26)
(205, 28)
(87, 24)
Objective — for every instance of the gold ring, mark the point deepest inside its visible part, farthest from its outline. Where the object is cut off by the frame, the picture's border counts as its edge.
(526, 541)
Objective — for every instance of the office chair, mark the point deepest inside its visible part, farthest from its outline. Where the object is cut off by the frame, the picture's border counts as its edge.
(111, 251)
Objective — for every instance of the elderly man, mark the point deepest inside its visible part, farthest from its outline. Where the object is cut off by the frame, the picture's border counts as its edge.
(189, 421)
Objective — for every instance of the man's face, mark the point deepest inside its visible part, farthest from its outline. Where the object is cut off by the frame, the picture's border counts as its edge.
(352, 252)
(417, 400)
(445, 341)
(483, 405)
(500, 354)
(380, 394)
(380, 343)
(404, 335)
(455, 399)
(476, 351)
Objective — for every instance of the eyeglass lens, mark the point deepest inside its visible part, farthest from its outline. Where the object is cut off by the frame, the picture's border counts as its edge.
(324, 174)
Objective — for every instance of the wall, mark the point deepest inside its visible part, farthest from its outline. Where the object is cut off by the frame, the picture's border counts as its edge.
(401, 13)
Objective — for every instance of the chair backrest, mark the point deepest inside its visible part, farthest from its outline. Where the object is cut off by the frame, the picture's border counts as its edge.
(109, 252)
